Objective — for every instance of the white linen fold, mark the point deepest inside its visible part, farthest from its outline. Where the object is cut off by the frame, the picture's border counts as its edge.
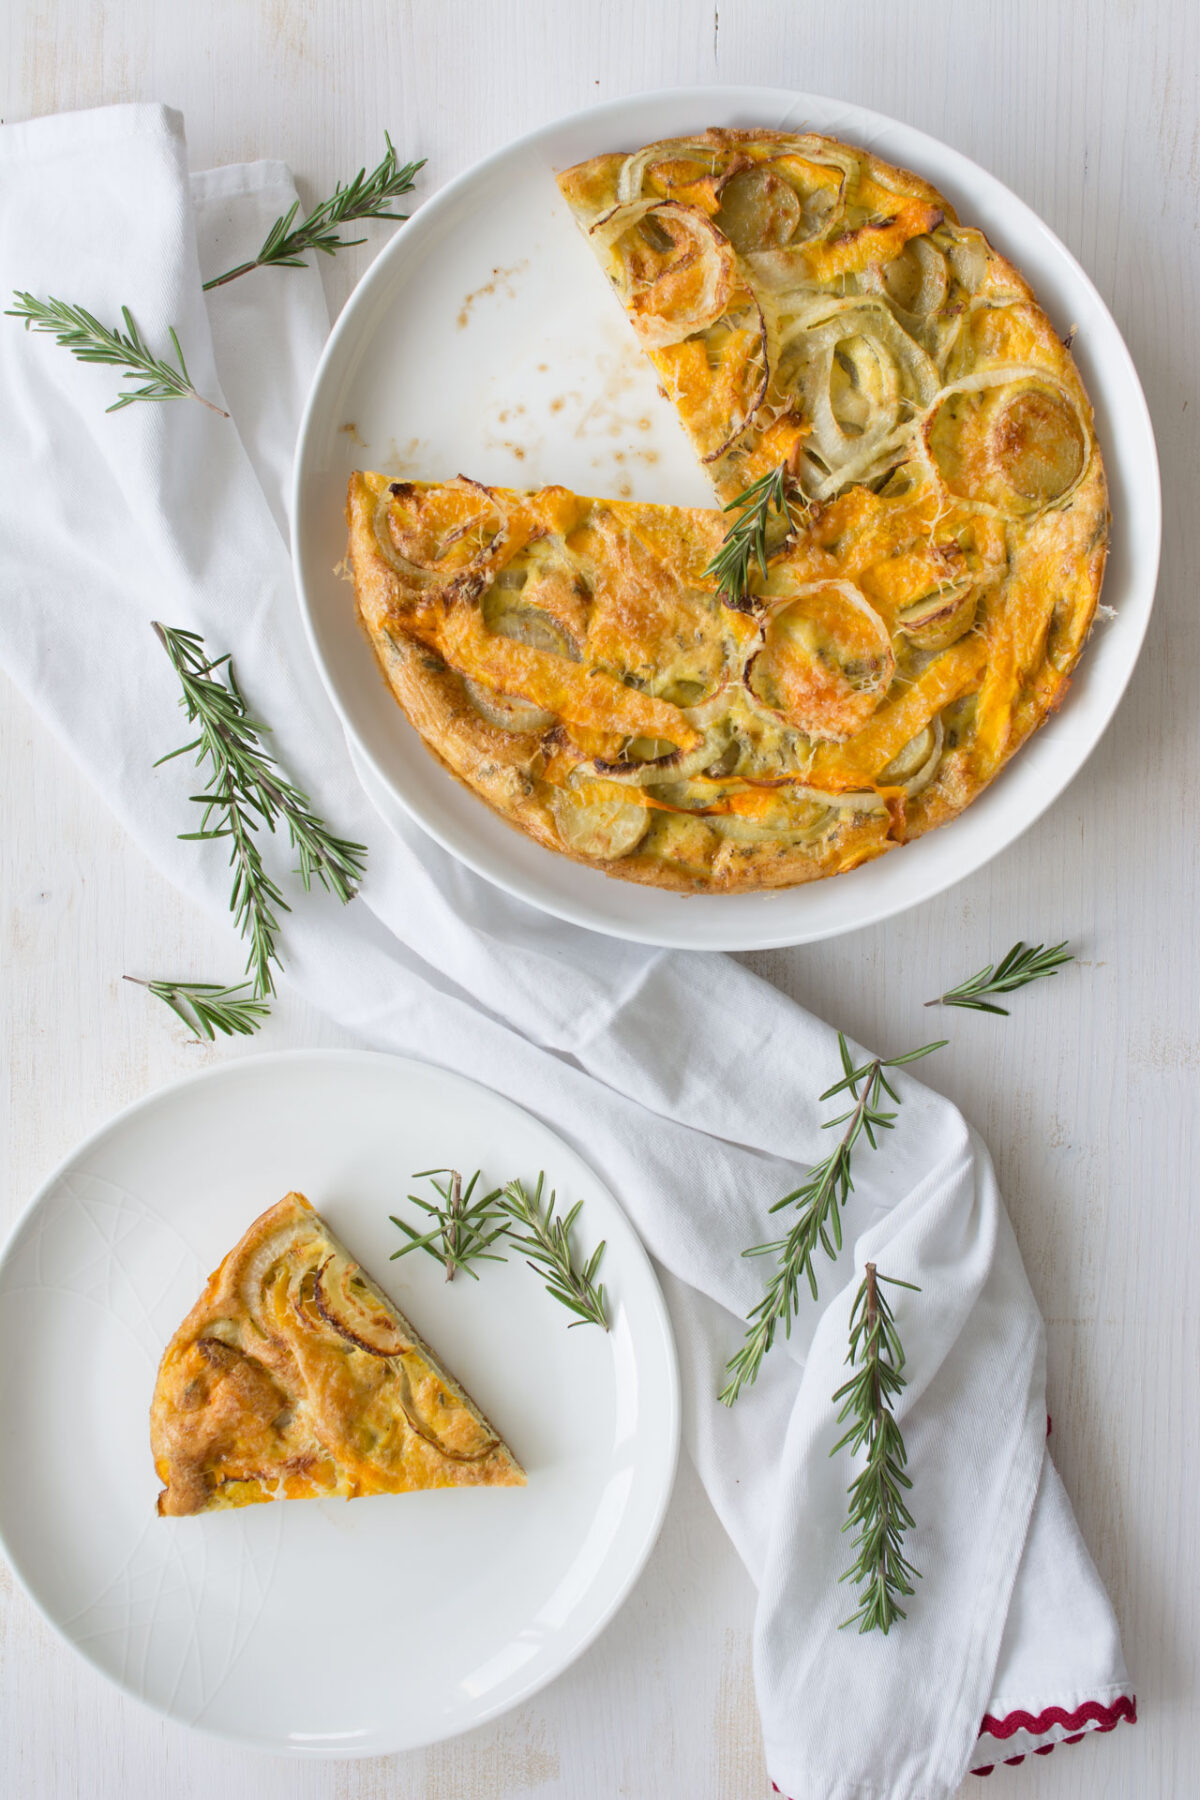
(688, 1080)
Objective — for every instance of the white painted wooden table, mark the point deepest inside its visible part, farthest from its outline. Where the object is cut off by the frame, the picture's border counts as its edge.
(1086, 1095)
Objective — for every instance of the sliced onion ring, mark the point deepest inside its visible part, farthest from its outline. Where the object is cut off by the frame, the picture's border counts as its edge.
(939, 619)
(709, 246)
(633, 170)
(418, 573)
(833, 457)
(506, 711)
(424, 1429)
(915, 766)
(680, 764)
(353, 1312)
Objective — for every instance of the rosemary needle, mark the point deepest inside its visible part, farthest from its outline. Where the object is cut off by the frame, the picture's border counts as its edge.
(819, 1201)
(1016, 970)
(89, 341)
(877, 1508)
(366, 197)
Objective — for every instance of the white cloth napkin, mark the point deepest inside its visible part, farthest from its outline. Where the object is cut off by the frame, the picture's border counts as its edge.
(686, 1079)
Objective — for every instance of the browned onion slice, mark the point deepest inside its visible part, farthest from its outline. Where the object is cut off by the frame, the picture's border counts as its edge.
(305, 1306)
(450, 557)
(348, 1307)
(505, 711)
(637, 768)
(259, 1266)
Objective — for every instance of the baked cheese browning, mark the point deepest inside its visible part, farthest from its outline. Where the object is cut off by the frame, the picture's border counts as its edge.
(295, 1377)
(570, 661)
(805, 302)
(923, 606)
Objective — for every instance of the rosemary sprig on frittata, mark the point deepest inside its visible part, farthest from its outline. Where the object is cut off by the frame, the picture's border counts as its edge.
(1021, 966)
(819, 1201)
(465, 1228)
(746, 540)
(367, 196)
(877, 1510)
(89, 341)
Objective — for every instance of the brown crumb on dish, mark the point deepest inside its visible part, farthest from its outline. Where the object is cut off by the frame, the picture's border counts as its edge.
(351, 431)
(501, 278)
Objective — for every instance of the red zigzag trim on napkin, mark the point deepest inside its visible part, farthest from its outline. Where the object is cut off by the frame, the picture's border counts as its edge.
(1092, 1713)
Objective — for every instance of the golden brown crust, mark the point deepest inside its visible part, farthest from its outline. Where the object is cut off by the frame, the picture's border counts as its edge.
(294, 1377)
(570, 660)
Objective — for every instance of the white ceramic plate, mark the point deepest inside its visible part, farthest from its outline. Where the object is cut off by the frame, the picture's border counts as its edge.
(320, 1627)
(485, 340)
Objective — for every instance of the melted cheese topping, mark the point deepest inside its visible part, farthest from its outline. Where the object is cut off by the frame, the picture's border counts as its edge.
(571, 658)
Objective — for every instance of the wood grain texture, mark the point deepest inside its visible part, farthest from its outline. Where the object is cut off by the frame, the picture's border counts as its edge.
(1085, 1095)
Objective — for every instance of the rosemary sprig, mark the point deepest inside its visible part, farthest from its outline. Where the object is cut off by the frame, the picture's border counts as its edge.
(366, 197)
(245, 791)
(547, 1241)
(90, 341)
(819, 1200)
(465, 1229)
(1022, 965)
(746, 540)
(877, 1508)
(206, 1007)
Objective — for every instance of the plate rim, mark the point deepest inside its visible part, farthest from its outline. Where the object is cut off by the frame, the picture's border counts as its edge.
(1145, 553)
(672, 1394)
